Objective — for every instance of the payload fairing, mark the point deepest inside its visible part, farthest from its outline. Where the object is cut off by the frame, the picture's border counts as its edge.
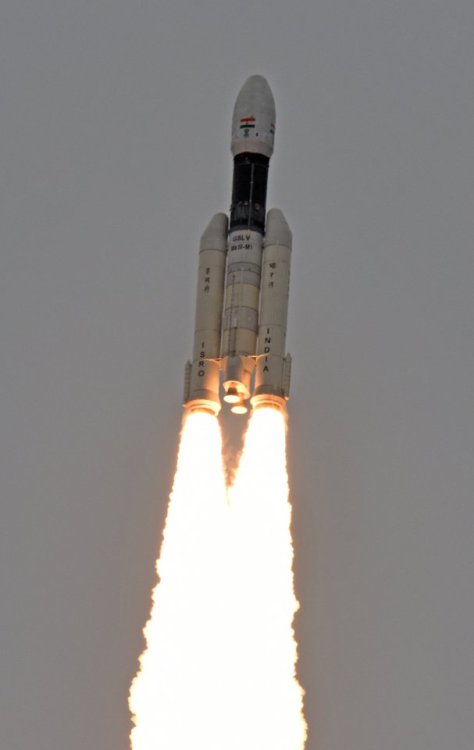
(243, 278)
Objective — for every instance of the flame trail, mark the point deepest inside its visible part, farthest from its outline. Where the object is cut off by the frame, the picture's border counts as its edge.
(267, 695)
(177, 697)
(218, 672)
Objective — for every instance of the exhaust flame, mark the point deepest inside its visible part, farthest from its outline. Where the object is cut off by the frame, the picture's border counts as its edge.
(218, 671)
(176, 696)
(269, 698)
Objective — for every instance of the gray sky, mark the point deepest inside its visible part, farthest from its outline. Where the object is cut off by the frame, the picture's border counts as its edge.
(114, 153)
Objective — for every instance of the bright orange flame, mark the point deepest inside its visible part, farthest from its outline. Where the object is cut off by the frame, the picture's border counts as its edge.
(218, 672)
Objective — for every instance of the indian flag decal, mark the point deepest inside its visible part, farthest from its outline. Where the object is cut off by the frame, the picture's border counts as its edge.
(247, 122)
(272, 128)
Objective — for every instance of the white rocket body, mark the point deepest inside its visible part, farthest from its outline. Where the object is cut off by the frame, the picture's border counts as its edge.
(243, 279)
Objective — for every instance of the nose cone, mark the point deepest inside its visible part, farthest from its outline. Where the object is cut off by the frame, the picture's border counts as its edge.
(253, 121)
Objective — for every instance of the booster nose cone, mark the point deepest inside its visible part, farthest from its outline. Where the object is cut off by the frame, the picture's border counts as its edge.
(215, 234)
(253, 120)
(277, 230)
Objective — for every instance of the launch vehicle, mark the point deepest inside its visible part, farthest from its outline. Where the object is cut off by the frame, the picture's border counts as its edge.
(243, 278)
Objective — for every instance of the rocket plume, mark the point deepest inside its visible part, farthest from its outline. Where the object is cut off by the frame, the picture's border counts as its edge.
(178, 695)
(218, 670)
(266, 691)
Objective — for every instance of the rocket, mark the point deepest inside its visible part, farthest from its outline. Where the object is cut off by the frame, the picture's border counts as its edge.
(243, 278)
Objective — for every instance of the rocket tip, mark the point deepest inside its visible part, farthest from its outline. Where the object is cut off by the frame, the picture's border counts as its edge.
(255, 91)
(257, 82)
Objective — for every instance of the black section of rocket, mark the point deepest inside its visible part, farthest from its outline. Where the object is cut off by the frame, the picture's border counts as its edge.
(249, 192)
